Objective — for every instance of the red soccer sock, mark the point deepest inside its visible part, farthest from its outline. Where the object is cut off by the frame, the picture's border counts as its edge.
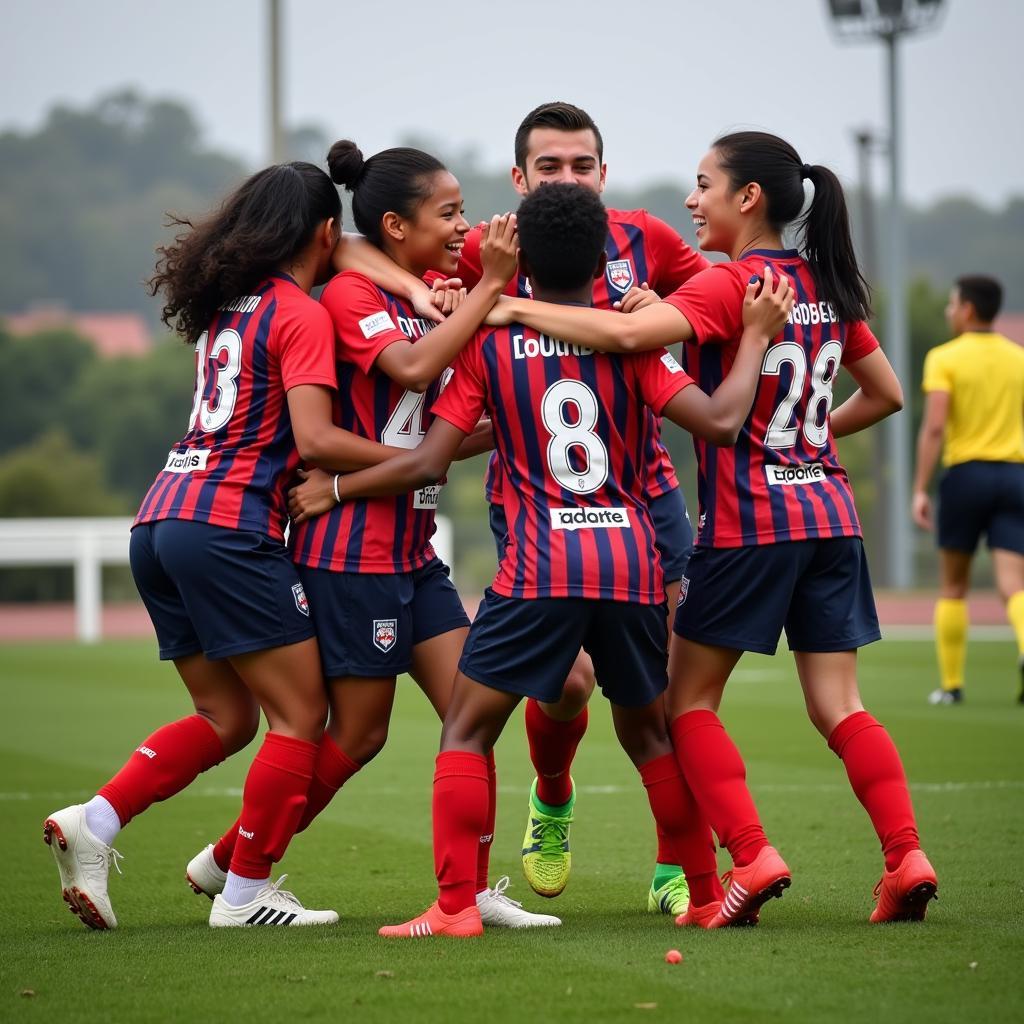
(552, 747)
(716, 776)
(688, 839)
(273, 800)
(332, 769)
(163, 765)
(483, 855)
(876, 774)
(666, 852)
(460, 815)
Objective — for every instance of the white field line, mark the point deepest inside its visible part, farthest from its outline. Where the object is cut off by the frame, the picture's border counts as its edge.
(232, 792)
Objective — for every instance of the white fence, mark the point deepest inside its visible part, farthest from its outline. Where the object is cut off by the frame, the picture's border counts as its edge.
(89, 544)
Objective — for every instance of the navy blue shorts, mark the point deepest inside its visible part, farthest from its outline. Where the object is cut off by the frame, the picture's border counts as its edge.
(742, 598)
(982, 497)
(528, 646)
(673, 533)
(369, 622)
(217, 590)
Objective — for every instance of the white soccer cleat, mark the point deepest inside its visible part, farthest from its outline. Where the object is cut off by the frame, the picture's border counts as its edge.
(272, 906)
(84, 865)
(498, 911)
(203, 874)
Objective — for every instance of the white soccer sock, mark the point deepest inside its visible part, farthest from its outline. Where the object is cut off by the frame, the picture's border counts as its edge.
(102, 819)
(238, 890)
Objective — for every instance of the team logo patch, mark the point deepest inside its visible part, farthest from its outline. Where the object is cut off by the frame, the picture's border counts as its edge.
(669, 362)
(373, 325)
(791, 476)
(427, 497)
(608, 518)
(620, 274)
(684, 587)
(385, 632)
(301, 601)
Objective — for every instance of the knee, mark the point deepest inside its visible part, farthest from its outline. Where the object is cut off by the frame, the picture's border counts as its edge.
(579, 685)
(236, 724)
(825, 719)
(362, 746)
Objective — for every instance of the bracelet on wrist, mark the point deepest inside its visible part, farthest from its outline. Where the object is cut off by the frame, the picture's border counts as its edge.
(337, 496)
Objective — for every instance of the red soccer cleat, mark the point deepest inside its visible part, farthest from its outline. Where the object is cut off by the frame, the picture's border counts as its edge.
(903, 894)
(698, 917)
(466, 924)
(765, 877)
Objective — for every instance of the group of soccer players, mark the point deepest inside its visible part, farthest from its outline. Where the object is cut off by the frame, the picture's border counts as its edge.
(565, 376)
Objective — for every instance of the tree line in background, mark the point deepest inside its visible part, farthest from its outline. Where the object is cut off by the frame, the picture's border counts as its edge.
(81, 203)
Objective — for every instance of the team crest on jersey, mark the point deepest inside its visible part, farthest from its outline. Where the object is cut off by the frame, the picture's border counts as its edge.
(684, 586)
(301, 601)
(620, 274)
(385, 632)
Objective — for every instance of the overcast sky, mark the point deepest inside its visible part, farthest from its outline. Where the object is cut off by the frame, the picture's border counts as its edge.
(661, 78)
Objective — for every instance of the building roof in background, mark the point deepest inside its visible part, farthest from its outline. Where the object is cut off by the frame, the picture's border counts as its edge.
(1012, 325)
(113, 334)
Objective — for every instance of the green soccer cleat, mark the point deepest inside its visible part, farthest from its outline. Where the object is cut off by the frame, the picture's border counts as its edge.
(546, 857)
(672, 898)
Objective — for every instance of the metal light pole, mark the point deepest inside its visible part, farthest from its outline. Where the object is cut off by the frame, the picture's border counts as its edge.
(888, 20)
(274, 45)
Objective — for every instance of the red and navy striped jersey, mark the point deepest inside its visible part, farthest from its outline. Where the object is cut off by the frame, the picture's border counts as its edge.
(390, 534)
(234, 465)
(783, 480)
(640, 249)
(572, 432)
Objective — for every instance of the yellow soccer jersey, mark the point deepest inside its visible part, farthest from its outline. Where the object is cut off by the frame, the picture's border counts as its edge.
(983, 373)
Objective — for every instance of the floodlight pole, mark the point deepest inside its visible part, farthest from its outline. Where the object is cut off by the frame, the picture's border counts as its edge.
(274, 85)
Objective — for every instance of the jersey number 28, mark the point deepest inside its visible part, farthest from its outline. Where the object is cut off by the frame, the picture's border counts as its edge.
(782, 430)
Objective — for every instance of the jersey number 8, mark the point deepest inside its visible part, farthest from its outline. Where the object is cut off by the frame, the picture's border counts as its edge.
(578, 434)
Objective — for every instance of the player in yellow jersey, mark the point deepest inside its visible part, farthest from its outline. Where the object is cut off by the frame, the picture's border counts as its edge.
(974, 415)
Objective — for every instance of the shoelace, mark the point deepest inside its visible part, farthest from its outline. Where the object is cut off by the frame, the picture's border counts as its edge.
(498, 892)
(553, 834)
(878, 890)
(275, 890)
(726, 877)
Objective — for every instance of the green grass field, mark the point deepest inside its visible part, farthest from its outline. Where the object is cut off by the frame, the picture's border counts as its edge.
(72, 714)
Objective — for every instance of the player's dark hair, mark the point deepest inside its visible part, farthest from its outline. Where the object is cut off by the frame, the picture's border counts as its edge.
(985, 294)
(263, 225)
(563, 117)
(826, 242)
(562, 233)
(392, 181)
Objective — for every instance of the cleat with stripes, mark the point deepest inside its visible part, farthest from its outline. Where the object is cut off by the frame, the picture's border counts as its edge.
(83, 862)
(672, 898)
(546, 856)
(904, 894)
(203, 875)
(765, 877)
(272, 906)
(466, 924)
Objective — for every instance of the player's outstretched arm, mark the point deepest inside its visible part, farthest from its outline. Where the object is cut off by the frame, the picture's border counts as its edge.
(879, 395)
(415, 367)
(653, 326)
(718, 418)
(320, 441)
(408, 470)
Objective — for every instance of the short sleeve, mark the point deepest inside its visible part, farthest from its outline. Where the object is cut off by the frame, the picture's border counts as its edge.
(363, 325)
(470, 265)
(674, 261)
(463, 400)
(937, 376)
(712, 302)
(860, 342)
(305, 345)
(659, 377)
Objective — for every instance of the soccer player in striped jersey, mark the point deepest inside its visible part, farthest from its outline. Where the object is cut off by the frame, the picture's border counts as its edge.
(779, 542)
(207, 549)
(381, 599)
(646, 258)
(581, 568)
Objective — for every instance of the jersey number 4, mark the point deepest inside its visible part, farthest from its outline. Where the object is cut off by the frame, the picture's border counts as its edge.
(225, 358)
(783, 428)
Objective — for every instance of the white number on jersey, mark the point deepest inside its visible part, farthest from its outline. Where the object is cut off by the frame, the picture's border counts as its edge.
(782, 429)
(566, 435)
(404, 428)
(228, 342)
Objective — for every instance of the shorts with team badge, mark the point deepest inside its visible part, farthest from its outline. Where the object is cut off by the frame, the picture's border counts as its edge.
(527, 646)
(216, 590)
(819, 591)
(368, 622)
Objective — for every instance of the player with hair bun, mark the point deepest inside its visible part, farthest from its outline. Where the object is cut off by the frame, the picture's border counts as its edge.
(381, 599)
(207, 547)
(779, 543)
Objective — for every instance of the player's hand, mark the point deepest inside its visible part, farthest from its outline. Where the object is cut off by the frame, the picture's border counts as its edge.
(768, 303)
(499, 248)
(502, 312)
(447, 294)
(312, 497)
(921, 510)
(636, 298)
